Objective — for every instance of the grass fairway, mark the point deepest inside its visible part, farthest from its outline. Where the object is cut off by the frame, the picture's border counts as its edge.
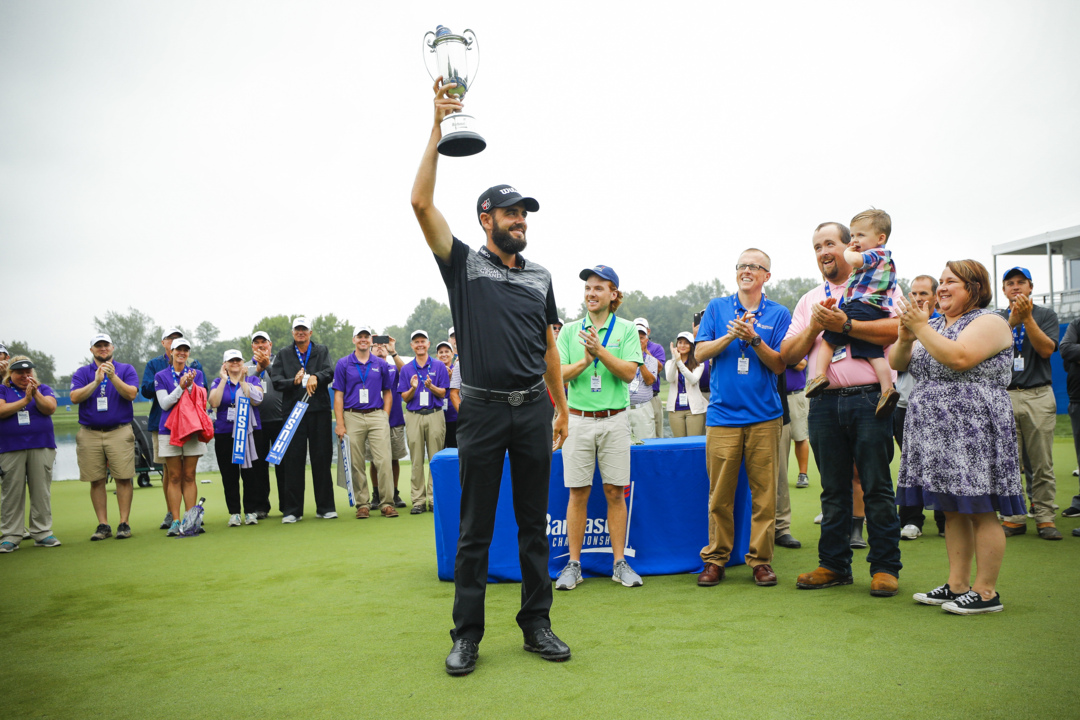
(346, 618)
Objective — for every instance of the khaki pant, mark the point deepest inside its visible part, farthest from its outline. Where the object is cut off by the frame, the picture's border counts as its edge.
(100, 453)
(26, 470)
(725, 450)
(374, 430)
(424, 432)
(658, 412)
(1036, 412)
(783, 492)
(642, 421)
(684, 423)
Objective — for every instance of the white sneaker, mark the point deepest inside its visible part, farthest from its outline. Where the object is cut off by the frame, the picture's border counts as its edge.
(327, 516)
(289, 519)
(910, 532)
(570, 576)
(234, 520)
(817, 520)
(250, 519)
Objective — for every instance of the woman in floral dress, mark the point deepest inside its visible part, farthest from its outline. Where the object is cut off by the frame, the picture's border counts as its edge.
(960, 453)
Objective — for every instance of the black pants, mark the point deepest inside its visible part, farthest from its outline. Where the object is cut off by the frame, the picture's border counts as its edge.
(230, 477)
(911, 514)
(486, 431)
(257, 490)
(451, 435)
(314, 436)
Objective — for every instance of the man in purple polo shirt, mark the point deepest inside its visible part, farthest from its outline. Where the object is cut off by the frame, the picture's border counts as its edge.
(362, 401)
(105, 443)
(657, 351)
(423, 384)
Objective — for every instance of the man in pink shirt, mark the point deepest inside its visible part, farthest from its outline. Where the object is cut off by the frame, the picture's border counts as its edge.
(844, 431)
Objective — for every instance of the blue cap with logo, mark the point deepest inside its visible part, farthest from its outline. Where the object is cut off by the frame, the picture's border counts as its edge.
(605, 272)
(1022, 270)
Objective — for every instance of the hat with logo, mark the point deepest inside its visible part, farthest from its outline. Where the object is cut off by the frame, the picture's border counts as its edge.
(417, 332)
(301, 322)
(603, 271)
(233, 355)
(1022, 270)
(21, 365)
(503, 196)
(180, 342)
(361, 328)
(100, 337)
(172, 331)
(261, 334)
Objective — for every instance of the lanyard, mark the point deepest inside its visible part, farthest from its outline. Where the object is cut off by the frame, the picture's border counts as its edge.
(104, 382)
(262, 375)
(363, 374)
(1018, 338)
(611, 324)
(743, 344)
(176, 375)
(427, 369)
(229, 395)
(828, 294)
(682, 383)
(303, 358)
(16, 391)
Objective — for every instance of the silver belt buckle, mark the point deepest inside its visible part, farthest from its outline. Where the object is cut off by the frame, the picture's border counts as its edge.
(516, 398)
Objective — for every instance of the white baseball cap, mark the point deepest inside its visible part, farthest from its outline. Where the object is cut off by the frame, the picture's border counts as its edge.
(450, 332)
(642, 328)
(181, 341)
(688, 337)
(233, 355)
(301, 322)
(642, 321)
(100, 337)
(361, 328)
(261, 334)
(447, 344)
(418, 332)
(172, 331)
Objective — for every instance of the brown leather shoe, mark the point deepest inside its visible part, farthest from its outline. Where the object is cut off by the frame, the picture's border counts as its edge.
(884, 585)
(816, 386)
(712, 575)
(886, 403)
(764, 576)
(362, 513)
(389, 511)
(821, 578)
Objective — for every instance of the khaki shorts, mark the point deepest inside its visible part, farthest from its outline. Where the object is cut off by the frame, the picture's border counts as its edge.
(799, 410)
(114, 450)
(398, 449)
(157, 456)
(593, 441)
(192, 448)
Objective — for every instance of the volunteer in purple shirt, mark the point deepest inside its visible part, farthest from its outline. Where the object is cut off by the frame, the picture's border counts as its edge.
(27, 451)
(398, 446)
(169, 385)
(423, 383)
(105, 443)
(232, 383)
(362, 400)
(657, 351)
(444, 351)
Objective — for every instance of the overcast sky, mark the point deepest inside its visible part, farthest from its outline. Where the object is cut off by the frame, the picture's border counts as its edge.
(227, 160)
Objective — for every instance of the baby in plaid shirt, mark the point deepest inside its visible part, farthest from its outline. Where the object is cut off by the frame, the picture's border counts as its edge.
(866, 297)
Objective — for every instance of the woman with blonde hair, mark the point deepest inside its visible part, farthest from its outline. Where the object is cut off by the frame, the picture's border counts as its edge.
(27, 452)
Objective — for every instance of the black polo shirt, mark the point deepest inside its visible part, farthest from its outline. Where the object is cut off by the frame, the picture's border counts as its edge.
(1036, 370)
(501, 317)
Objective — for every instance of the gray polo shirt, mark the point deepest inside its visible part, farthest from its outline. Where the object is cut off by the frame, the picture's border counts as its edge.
(1036, 370)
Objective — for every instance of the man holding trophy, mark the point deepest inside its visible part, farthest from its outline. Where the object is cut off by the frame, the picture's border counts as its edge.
(503, 307)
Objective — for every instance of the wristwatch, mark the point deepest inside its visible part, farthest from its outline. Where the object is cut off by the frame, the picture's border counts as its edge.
(756, 341)
(847, 326)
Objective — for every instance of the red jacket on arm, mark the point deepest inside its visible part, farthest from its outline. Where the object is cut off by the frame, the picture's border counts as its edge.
(189, 417)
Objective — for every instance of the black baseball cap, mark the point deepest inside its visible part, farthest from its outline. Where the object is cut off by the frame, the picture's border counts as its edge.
(22, 365)
(503, 196)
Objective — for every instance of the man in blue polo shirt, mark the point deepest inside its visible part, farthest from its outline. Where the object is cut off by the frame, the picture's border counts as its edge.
(105, 443)
(743, 333)
(423, 384)
(361, 406)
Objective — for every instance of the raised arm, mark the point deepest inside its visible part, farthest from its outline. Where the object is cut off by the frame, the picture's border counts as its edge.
(436, 229)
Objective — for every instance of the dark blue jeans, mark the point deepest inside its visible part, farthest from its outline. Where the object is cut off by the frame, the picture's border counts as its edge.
(844, 433)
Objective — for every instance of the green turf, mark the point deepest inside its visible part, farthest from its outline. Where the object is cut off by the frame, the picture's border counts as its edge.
(346, 618)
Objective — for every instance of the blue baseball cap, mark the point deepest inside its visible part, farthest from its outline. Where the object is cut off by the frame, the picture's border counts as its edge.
(603, 271)
(1022, 270)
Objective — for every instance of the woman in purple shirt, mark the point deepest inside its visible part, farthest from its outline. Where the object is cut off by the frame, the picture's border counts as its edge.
(234, 381)
(27, 451)
(170, 385)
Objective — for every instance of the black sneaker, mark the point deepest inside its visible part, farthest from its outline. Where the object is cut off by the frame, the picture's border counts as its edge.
(547, 645)
(123, 531)
(103, 531)
(261, 515)
(1070, 512)
(398, 502)
(937, 596)
(972, 603)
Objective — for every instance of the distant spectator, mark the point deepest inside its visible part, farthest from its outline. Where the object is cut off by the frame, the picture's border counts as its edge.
(1035, 334)
(657, 351)
(555, 328)
(4, 357)
(423, 384)
(1070, 356)
(444, 351)
(642, 418)
(181, 460)
(257, 491)
(686, 405)
(232, 383)
(27, 452)
(105, 443)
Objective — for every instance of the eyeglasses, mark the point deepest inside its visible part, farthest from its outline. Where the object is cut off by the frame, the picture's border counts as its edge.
(750, 266)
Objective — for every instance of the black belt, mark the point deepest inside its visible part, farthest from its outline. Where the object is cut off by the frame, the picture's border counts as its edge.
(426, 411)
(365, 411)
(514, 397)
(853, 390)
(107, 428)
(1029, 387)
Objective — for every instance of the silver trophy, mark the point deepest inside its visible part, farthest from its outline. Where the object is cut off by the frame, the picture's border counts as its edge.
(449, 55)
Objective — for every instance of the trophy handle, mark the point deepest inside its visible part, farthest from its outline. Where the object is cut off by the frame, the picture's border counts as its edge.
(430, 58)
(472, 51)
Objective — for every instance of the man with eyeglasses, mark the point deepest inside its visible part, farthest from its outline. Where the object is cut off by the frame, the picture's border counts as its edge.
(743, 333)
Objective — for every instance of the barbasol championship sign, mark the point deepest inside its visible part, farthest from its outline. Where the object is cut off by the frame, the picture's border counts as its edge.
(288, 431)
(241, 428)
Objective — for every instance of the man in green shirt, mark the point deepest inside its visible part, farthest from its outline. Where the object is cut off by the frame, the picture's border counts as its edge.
(598, 361)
